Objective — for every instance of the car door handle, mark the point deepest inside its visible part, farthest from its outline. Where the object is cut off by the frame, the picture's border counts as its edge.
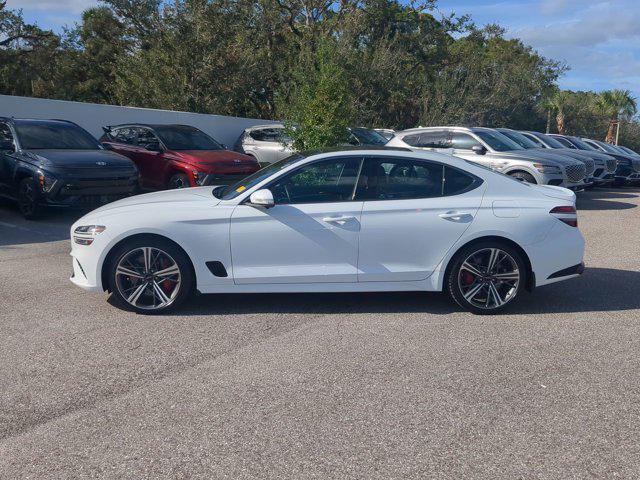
(454, 216)
(341, 219)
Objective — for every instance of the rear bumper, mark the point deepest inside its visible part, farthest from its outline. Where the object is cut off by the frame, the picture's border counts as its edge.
(568, 272)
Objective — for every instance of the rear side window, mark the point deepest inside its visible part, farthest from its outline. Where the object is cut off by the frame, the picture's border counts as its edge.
(269, 135)
(436, 139)
(399, 178)
(457, 182)
(5, 134)
(126, 135)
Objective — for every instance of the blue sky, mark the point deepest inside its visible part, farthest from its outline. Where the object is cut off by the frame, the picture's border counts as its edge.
(599, 40)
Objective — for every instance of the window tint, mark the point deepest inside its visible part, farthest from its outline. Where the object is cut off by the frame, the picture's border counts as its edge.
(5, 133)
(185, 137)
(463, 141)
(325, 181)
(520, 139)
(397, 179)
(54, 136)
(365, 136)
(565, 142)
(435, 139)
(232, 191)
(125, 135)
(497, 141)
(456, 181)
(145, 137)
(269, 135)
(533, 138)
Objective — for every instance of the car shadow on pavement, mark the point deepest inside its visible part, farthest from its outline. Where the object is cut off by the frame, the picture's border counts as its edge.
(15, 230)
(600, 199)
(598, 290)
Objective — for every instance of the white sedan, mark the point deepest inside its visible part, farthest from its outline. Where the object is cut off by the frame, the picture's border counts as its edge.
(345, 221)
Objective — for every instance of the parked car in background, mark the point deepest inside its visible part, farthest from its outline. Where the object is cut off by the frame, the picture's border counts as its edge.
(177, 156)
(544, 141)
(493, 150)
(57, 163)
(386, 132)
(354, 220)
(365, 137)
(629, 151)
(628, 170)
(606, 165)
(266, 143)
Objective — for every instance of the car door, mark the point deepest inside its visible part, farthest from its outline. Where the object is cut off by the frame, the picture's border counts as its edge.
(153, 161)
(462, 144)
(7, 152)
(309, 236)
(413, 212)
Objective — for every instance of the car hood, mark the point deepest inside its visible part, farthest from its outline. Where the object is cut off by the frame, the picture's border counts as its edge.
(579, 154)
(547, 155)
(214, 157)
(529, 156)
(98, 159)
(179, 198)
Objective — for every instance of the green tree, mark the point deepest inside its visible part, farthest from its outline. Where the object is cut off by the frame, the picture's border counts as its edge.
(318, 111)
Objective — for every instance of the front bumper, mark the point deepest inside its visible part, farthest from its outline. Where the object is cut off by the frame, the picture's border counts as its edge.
(89, 191)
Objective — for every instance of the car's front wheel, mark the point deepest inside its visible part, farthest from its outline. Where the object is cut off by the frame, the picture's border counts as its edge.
(486, 277)
(523, 177)
(28, 199)
(150, 275)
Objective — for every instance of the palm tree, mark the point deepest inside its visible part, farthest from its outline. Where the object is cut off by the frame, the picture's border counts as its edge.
(560, 103)
(616, 105)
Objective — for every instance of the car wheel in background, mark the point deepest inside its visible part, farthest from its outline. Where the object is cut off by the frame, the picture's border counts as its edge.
(179, 180)
(485, 277)
(28, 199)
(524, 176)
(150, 275)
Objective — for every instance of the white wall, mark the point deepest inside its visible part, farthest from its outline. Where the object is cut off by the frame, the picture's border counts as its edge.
(93, 116)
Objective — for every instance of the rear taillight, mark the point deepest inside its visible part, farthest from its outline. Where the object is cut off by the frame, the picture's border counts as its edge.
(566, 214)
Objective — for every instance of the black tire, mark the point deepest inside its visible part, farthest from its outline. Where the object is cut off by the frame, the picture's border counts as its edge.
(179, 180)
(117, 284)
(524, 176)
(28, 199)
(453, 281)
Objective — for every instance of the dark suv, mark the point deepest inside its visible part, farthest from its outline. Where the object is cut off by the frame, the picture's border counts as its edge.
(56, 162)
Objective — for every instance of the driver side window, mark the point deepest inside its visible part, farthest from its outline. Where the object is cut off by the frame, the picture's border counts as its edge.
(6, 138)
(326, 181)
(463, 141)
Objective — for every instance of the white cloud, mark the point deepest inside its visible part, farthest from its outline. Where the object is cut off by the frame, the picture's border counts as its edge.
(67, 6)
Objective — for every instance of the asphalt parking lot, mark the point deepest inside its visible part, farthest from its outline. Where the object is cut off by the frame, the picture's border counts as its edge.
(318, 385)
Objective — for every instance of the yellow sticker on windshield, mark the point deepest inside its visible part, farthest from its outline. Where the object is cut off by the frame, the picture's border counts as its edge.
(241, 188)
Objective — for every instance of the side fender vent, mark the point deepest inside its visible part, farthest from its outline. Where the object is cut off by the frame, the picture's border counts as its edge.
(217, 268)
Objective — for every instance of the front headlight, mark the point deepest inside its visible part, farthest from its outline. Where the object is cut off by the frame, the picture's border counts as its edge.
(543, 168)
(46, 181)
(200, 178)
(85, 234)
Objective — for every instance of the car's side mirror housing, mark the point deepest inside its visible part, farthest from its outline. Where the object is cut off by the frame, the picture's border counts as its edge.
(262, 198)
(479, 149)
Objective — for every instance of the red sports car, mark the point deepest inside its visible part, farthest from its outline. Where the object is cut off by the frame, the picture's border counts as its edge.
(177, 156)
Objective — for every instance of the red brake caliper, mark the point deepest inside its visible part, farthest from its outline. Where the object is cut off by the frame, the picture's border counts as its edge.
(467, 277)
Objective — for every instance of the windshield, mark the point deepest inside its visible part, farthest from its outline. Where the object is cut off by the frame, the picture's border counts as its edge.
(580, 144)
(184, 137)
(497, 141)
(608, 147)
(232, 191)
(368, 137)
(550, 141)
(54, 136)
(520, 139)
(628, 150)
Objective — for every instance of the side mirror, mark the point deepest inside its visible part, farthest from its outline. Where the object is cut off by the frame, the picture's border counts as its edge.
(262, 198)
(153, 147)
(6, 145)
(479, 149)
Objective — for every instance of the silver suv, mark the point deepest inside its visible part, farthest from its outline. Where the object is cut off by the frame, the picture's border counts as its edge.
(266, 143)
(492, 149)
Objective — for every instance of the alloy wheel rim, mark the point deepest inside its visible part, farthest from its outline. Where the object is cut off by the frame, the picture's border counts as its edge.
(148, 278)
(489, 278)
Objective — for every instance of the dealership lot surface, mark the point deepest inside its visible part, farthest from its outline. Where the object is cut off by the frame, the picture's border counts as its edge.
(320, 385)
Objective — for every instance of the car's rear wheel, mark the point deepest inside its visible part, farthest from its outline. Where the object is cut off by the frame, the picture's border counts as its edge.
(150, 275)
(486, 277)
(179, 180)
(524, 176)
(28, 199)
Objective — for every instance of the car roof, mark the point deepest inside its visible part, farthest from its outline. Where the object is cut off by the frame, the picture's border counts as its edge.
(266, 125)
(36, 121)
(151, 125)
